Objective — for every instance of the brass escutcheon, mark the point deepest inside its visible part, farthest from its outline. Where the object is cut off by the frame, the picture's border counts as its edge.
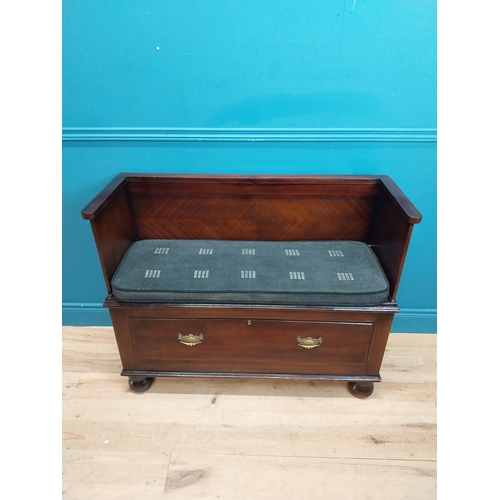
(190, 339)
(309, 342)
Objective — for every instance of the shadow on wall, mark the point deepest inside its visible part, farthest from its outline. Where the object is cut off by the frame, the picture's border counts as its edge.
(325, 107)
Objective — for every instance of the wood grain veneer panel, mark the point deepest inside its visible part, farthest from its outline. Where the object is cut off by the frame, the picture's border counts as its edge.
(246, 217)
(314, 218)
(189, 206)
(195, 229)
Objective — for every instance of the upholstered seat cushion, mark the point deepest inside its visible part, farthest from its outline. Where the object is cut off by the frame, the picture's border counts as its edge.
(335, 273)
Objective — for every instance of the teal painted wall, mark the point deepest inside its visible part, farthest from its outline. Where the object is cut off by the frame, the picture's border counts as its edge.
(244, 87)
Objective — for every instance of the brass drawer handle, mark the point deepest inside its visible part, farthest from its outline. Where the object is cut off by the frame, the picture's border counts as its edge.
(190, 339)
(309, 342)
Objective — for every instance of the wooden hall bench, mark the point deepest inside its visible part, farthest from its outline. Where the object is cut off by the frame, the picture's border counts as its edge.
(252, 276)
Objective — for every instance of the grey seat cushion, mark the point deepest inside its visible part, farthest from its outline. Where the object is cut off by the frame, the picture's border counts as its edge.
(342, 273)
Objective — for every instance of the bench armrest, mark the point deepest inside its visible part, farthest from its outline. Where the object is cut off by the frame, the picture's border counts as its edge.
(399, 199)
(104, 198)
(392, 228)
(111, 221)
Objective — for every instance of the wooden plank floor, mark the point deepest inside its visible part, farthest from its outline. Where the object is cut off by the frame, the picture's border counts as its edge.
(246, 439)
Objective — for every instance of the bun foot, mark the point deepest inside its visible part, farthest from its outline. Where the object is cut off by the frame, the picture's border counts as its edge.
(360, 390)
(140, 384)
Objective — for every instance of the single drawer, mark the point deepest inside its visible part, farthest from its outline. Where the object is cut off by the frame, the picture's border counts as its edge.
(251, 346)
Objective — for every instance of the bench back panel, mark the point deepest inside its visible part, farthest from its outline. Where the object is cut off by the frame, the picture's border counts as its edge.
(247, 211)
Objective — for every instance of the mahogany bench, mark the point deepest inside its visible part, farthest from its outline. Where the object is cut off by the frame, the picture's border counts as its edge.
(289, 277)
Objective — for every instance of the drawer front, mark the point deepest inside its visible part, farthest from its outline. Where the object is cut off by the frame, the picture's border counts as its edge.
(250, 346)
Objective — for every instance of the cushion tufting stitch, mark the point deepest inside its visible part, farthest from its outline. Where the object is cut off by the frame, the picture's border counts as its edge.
(334, 273)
